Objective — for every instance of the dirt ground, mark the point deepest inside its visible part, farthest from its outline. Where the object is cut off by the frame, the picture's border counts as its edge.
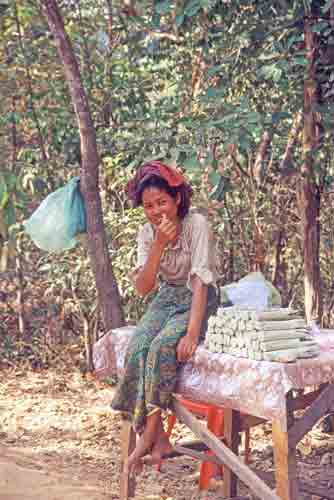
(59, 440)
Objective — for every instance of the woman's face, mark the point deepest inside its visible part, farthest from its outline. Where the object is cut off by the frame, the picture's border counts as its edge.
(156, 203)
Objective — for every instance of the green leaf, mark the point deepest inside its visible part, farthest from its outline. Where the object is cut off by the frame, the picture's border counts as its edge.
(277, 74)
(45, 267)
(319, 27)
(253, 117)
(300, 60)
(279, 115)
(192, 7)
(291, 40)
(163, 7)
(214, 177)
(4, 5)
(11, 180)
(214, 92)
(267, 71)
(191, 163)
(214, 69)
(223, 186)
(244, 143)
(9, 214)
(26, 13)
(179, 19)
(327, 6)
(4, 195)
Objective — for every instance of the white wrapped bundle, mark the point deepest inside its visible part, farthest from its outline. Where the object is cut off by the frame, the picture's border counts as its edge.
(272, 335)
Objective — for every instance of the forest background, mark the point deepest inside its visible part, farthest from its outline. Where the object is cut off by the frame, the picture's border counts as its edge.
(238, 93)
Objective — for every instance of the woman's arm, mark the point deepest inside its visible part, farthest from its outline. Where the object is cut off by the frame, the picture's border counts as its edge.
(187, 345)
(146, 278)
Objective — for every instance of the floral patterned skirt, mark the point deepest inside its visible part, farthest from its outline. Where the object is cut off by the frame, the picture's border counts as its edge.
(151, 365)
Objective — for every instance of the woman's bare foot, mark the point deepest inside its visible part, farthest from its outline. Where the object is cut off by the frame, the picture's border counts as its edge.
(135, 461)
(135, 464)
(161, 448)
(144, 445)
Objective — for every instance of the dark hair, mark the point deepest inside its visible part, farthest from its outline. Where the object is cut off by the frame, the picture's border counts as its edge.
(155, 181)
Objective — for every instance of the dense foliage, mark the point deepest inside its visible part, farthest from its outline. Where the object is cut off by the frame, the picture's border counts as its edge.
(214, 86)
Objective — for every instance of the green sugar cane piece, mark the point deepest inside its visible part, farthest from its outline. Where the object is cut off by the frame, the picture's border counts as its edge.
(280, 335)
(220, 322)
(276, 315)
(234, 343)
(281, 356)
(255, 345)
(251, 326)
(212, 322)
(290, 355)
(219, 339)
(286, 344)
(241, 341)
(308, 352)
(240, 353)
(248, 344)
(288, 324)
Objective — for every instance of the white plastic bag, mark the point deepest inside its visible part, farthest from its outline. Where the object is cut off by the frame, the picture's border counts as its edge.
(252, 291)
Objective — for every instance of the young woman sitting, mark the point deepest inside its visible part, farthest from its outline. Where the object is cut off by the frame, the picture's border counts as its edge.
(176, 261)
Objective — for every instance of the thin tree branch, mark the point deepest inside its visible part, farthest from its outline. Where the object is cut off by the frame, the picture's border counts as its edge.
(286, 161)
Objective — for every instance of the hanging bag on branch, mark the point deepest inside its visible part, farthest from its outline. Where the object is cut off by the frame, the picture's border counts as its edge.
(59, 219)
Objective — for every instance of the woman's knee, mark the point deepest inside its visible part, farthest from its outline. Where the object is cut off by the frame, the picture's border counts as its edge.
(163, 344)
(139, 344)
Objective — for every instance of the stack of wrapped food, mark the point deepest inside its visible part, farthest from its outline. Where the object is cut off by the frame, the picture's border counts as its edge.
(278, 334)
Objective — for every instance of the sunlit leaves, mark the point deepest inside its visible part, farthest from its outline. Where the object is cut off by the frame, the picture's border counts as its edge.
(327, 6)
(11, 198)
(164, 7)
(192, 7)
(271, 72)
(4, 5)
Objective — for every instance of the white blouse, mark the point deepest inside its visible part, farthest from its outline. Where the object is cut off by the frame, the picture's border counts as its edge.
(192, 254)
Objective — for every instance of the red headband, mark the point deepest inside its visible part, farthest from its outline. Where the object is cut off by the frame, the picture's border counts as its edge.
(155, 167)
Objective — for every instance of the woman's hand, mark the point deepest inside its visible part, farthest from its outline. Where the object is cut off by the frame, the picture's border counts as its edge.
(186, 348)
(166, 231)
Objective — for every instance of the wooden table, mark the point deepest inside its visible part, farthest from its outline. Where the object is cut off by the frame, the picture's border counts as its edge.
(286, 434)
(250, 392)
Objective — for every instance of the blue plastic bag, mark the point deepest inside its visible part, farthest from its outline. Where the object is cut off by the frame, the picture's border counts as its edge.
(59, 218)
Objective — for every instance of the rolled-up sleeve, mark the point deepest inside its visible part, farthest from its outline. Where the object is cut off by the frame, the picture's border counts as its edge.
(203, 255)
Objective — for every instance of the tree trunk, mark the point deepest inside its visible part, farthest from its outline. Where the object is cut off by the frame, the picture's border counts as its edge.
(262, 158)
(308, 195)
(277, 265)
(106, 284)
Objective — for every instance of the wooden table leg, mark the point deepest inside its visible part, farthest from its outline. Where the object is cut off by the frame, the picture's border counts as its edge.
(232, 440)
(128, 443)
(224, 454)
(285, 458)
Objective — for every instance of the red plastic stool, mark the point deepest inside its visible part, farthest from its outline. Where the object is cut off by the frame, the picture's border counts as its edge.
(214, 416)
